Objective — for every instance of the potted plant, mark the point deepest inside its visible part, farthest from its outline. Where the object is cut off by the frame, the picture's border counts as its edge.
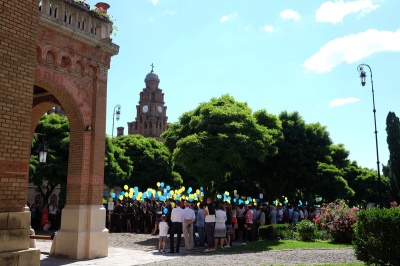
(99, 13)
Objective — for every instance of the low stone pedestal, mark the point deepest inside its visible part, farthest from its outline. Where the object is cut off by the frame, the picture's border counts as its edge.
(14, 240)
(83, 234)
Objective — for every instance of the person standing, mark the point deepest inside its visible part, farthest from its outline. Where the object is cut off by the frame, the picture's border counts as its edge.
(209, 214)
(200, 224)
(163, 232)
(188, 219)
(53, 212)
(220, 227)
(176, 219)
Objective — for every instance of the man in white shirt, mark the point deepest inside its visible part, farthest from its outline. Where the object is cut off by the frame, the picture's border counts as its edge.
(177, 219)
(187, 226)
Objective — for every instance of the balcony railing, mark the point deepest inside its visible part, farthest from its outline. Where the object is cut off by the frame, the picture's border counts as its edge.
(73, 15)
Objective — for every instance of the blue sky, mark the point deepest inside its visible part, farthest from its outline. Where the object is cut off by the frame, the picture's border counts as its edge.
(281, 55)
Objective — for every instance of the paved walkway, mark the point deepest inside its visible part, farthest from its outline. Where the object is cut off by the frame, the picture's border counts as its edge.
(116, 256)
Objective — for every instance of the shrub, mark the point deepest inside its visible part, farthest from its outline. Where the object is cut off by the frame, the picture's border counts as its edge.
(281, 231)
(307, 230)
(338, 220)
(377, 236)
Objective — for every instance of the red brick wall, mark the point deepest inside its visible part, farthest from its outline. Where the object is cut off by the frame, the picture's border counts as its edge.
(18, 28)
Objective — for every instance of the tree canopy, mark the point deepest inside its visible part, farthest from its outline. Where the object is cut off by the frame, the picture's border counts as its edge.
(218, 138)
(55, 173)
(152, 162)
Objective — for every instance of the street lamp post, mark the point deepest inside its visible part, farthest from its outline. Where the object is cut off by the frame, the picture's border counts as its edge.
(43, 149)
(117, 113)
(363, 75)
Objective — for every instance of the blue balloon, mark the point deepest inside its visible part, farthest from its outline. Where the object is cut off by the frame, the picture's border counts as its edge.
(122, 193)
(189, 190)
(168, 187)
(165, 211)
(201, 188)
(136, 189)
(113, 195)
(149, 194)
(169, 195)
(234, 200)
(162, 198)
(178, 197)
(162, 184)
(105, 195)
(165, 190)
(202, 194)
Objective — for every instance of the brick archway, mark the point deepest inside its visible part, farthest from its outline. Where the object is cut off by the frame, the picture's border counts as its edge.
(71, 72)
(54, 55)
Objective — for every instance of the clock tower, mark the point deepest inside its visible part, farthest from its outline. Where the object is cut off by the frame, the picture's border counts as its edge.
(151, 113)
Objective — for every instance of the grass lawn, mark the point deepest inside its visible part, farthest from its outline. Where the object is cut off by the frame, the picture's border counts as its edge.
(338, 264)
(265, 245)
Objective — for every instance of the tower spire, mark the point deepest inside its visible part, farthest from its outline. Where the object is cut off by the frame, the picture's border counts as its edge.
(152, 66)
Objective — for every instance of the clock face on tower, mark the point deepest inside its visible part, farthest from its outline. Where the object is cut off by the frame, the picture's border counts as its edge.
(159, 109)
(145, 108)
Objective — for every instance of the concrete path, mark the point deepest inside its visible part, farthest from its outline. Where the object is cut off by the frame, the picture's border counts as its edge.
(116, 256)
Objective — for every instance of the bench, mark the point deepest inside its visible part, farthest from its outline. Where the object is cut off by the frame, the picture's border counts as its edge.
(42, 237)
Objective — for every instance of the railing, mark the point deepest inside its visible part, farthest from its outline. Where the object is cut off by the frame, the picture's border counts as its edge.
(70, 14)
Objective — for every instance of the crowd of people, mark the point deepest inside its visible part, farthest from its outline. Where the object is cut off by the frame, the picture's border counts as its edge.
(213, 224)
(45, 217)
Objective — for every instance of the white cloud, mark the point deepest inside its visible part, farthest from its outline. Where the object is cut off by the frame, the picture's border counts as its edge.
(170, 12)
(229, 17)
(290, 14)
(334, 12)
(352, 48)
(154, 2)
(269, 28)
(343, 101)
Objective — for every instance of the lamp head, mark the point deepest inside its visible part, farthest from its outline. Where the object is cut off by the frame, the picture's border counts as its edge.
(118, 114)
(362, 75)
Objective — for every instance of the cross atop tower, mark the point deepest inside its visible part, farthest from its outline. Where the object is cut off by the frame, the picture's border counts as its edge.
(152, 66)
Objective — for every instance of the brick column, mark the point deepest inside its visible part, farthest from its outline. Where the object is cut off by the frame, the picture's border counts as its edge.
(18, 25)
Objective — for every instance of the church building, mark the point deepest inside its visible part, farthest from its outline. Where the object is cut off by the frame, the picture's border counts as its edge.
(151, 113)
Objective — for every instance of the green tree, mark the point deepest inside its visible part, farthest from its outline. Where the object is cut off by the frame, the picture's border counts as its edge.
(46, 179)
(151, 160)
(393, 141)
(216, 139)
(117, 166)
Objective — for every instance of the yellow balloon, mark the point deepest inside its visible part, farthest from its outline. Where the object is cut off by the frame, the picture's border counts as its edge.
(255, 203)
(201, 198)
(158, 184)
(198, 191)
(130, 195)
(110, 199)
(121, 197)
(172, 192)
(247, 202)
(183, 188)
(131, 189)
(153, 191)
(126, 187)
(104, 201)
(198, 204)
(174, 196)
(111, 190)
(254, 200)
(228, 201)
(227, 193)
(137, 198)
(140, 194)
(159, 193)
(126, 193)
